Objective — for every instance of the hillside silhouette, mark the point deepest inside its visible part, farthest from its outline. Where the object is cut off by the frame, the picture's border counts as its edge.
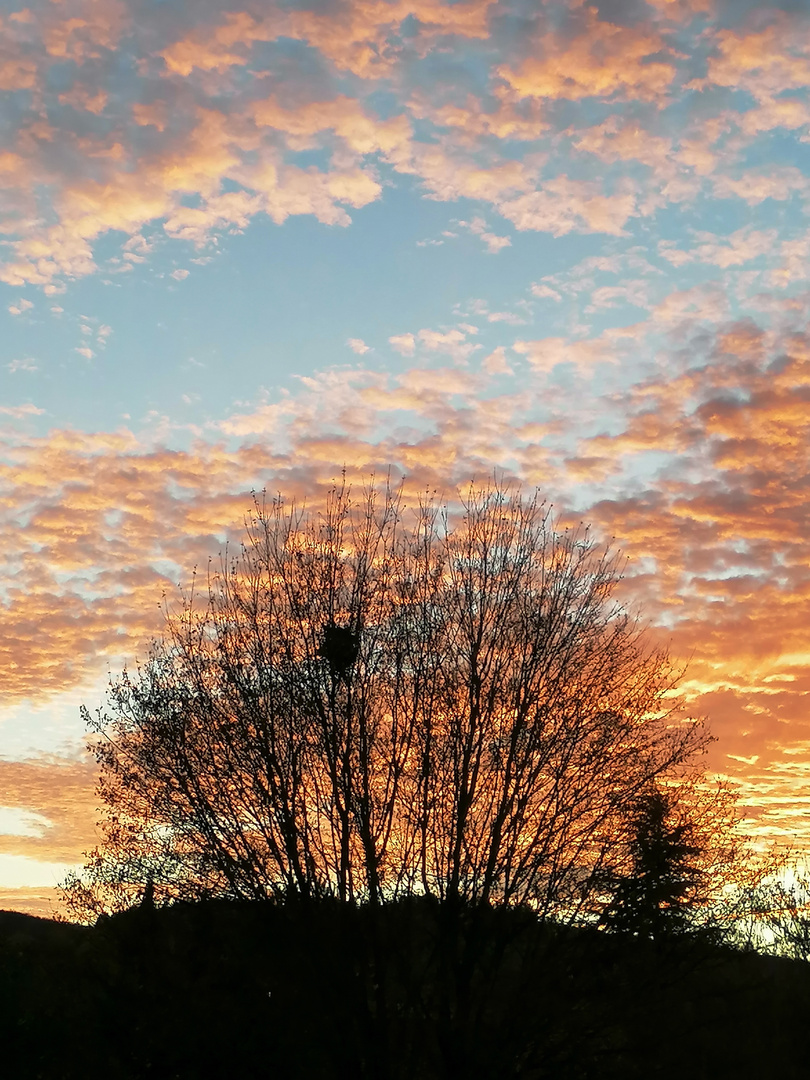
(324, 990)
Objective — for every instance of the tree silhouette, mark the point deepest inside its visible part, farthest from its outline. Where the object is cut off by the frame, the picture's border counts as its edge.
(654, 899)
(681, 866)
(374, 702)
(781, 910)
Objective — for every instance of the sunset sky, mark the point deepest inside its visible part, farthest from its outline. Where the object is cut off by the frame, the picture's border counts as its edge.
(244, 245)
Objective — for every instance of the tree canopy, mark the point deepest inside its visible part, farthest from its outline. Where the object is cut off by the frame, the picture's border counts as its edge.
(376, 701)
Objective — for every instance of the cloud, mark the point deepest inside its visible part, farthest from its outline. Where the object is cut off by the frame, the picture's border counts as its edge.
(562, 205)
(792, 256)
(92, 523)
(634, 293)
(493, 242)
(449, 170)
(20, 307)
(600, 59)
(236, 160)
(784, 112)
(208, 134)
(735, 249)
(698, 304)
(682, 10)
(19, 412)
(755, 186)
(31, 900)
(469, 117)
(214, 148)
(621, 139)
(48, 811)
(405, 344)
(360, 130)
(357, 345)
(362, 38)
(765, 62)
(545, 292)
(496, 363)
(449, 342)
(84, 99)
(58, 634)
(545, 354)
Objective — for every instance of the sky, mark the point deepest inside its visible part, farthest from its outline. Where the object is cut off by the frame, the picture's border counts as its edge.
(247, 245)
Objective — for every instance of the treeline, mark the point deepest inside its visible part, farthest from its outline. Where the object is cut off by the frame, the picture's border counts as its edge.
(224, 989)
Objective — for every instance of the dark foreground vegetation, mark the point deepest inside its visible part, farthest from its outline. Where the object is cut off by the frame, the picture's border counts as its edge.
(408, 796)
(409, 990)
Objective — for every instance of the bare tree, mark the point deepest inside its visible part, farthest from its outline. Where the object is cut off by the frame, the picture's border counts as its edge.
(374, 701)
(779, 911)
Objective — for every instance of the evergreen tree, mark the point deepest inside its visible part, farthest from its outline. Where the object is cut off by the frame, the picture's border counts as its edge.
(656, 895)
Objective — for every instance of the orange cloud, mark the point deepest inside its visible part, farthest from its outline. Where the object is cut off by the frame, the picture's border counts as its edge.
(362, 132)
(682, 10)
(764, 62)
(91, 26)
(17, 73)
(717, 548)
(784, 112)
(220, 132)
(211, 152)
(360, 37)
(510, 119)
(43, 902)
(618, 139)
(603, 60)
(47, 822)
(59, 794)
(449, 172)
